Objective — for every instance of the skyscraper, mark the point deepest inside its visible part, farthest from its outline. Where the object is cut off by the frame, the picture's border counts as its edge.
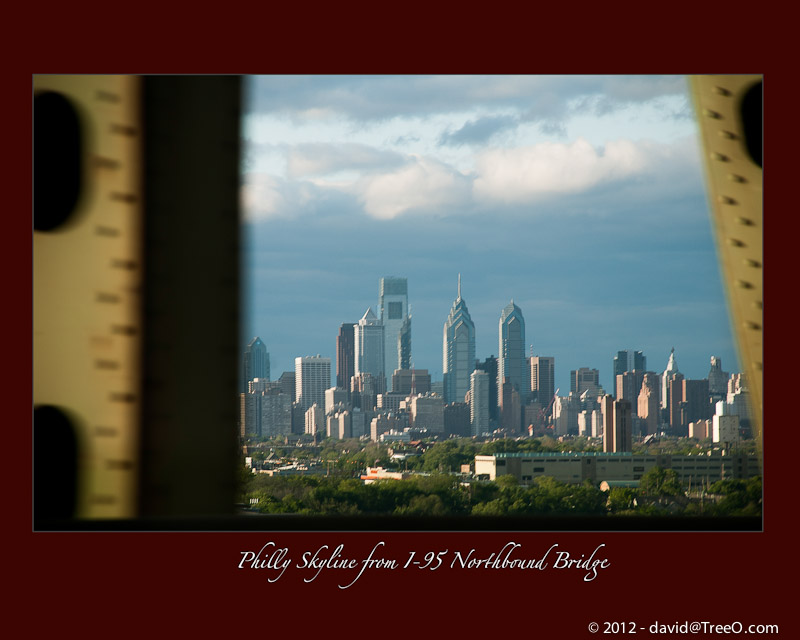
(669, 373)
(479, 402)
(717, 379)
(489, 365)
(345, 356)
(648, 405)
(584, 379)
(256, 362)
(368, 336)
(512, 363)
(394, 314)
(617, 433)
(628, 361)
(458, 350)
(543, 379)
(312, 378)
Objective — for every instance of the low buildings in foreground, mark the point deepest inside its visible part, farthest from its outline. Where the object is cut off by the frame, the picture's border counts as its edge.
(619, 466)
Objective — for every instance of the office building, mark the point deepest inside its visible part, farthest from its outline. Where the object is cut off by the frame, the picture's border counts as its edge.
(368, 336)
(458, 350)
(480, 385)
(583, 379)
(287, 383)
(628, 384)
(427, 412)
(648, 404)
(457, 419)
(411, 381)
(717, 379)
(394, 315)
(256, 362)
(512, 364)
(698, 400)
(617, 425)
(628, 361)
(489, 366)
(345, 355)
(276, 413)
(543, 377)
(669, 373)
(565, 414)
(312, 379)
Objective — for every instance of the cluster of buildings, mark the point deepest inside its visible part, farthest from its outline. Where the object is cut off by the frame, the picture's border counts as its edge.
(378, 394)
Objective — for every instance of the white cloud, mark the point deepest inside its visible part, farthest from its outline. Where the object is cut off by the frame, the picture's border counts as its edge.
(262, 197)
(421, 184)
(525, 174)
(323, 158)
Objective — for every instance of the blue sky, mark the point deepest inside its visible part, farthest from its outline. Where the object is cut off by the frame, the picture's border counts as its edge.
(580, 197)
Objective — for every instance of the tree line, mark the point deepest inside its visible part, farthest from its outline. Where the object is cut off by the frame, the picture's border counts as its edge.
(443, 494)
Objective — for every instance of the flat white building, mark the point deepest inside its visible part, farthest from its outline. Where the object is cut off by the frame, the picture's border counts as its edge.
(312, 379)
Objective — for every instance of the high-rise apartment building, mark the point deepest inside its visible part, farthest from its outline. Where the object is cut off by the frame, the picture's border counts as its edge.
(617, 425)
(276, 413)
(345, 355)
(512, 364)
(312, 379)
(394, 314)
(458, 350)
(256, 362)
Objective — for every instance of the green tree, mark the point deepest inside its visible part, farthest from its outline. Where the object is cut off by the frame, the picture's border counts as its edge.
(621, 499)
(661, 482)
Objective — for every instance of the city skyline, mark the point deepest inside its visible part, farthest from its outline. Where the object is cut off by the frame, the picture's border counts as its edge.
(581, 198)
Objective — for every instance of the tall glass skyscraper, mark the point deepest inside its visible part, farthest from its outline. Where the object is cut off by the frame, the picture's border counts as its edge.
(393, 312)
(628, 361)
(512, 363)
(256, 362)
(458, 350)
(369, 345)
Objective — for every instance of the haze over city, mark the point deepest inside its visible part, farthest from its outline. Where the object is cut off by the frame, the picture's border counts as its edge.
(579, 197)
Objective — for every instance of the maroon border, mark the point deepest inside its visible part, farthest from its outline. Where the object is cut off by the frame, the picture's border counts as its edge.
(157, 582)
